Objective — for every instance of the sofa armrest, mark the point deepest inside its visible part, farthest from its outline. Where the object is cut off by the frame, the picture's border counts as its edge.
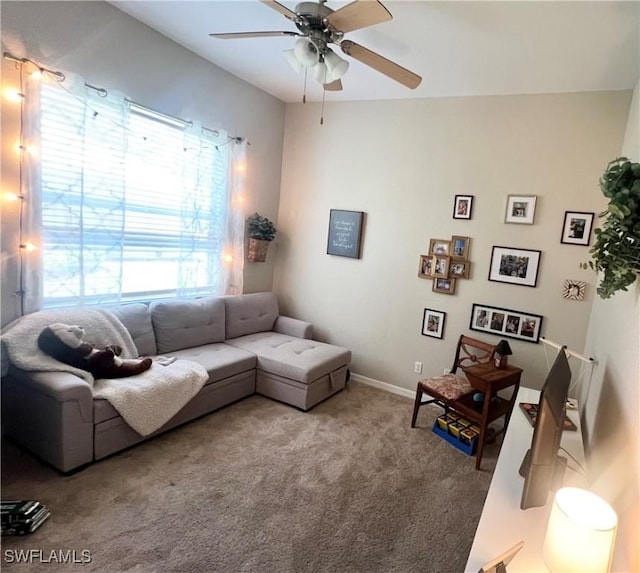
(51, 414)
(61, 386)
(293, 327)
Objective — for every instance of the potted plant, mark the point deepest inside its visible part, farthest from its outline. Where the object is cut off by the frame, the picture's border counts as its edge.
(261, 232)
(616, 252)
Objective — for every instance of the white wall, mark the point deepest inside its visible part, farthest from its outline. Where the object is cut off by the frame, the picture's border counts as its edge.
(611, 416)
(112, 50)
(402, 162)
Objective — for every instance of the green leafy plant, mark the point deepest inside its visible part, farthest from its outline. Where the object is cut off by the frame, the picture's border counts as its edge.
(616, 252)
(261, 228)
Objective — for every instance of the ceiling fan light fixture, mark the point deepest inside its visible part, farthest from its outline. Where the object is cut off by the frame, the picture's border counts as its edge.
(293, 60)
(336, 65)
(306, 52)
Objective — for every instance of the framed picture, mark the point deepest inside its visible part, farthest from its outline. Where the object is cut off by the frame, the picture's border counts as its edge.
(439, 247)
(433, 323)
(441, 266)
(460, 247)
(345, 233)
(577, 228)
(574, 290)
(462, 206)
(520, 209)
(505, 322)
(459, 269)
(514, 266)
(425, 270)
(444, 286)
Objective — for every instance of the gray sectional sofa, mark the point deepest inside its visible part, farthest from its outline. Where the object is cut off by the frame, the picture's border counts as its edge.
(242, 341)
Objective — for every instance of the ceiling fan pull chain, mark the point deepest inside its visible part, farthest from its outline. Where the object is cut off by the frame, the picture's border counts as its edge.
(304, 89)
(322, 108)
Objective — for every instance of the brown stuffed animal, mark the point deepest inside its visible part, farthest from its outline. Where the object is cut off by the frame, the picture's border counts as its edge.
(65, 343)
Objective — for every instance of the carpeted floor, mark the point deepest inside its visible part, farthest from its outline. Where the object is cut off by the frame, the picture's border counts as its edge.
(260, 487)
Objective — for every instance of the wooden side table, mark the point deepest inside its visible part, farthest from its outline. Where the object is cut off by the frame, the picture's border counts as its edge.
(489, 380)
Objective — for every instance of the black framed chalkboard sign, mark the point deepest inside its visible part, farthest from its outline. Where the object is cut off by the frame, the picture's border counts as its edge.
(345, 233)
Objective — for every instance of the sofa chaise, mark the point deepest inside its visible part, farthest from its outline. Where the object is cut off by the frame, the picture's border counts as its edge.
(242, 342)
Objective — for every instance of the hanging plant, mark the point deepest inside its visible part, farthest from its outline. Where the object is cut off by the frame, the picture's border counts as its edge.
(261, 232)
(261, 228)
(616, 252)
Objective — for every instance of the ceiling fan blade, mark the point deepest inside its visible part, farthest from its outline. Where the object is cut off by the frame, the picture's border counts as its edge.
(381, 64)
(280, 8)
(359, 14)
(334, 86)
(239, 35)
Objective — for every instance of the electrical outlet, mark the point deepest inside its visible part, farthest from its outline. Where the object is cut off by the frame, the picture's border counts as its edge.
(417, 367)
(447, 371)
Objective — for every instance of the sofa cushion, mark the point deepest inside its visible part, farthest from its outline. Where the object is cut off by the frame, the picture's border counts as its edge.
(219, 360)
(249, 313)
(137, 320)
(298, 359)
(185, 323)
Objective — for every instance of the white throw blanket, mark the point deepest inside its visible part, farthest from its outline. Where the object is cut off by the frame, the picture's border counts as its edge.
(149, 400)
(101, 328)
(146, 401)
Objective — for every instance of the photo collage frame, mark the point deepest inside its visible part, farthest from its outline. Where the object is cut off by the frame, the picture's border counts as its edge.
(446, 262)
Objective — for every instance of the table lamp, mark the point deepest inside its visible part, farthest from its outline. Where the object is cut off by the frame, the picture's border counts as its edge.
(580, 533)
(501, 354)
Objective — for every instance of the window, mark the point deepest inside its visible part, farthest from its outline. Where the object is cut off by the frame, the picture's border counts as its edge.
(134, 205)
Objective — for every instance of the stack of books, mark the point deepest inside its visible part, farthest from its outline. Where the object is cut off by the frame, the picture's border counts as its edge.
(21, 517)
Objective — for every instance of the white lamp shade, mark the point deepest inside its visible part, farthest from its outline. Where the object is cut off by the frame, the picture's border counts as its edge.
(293, 60)
(336, 65)
(580, 533)
(306, 52)
(320, 72)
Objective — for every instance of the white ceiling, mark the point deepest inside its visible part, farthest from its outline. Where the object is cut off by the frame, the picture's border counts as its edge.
(459, 48)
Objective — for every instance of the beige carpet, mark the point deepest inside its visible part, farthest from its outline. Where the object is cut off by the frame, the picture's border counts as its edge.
(261, 487)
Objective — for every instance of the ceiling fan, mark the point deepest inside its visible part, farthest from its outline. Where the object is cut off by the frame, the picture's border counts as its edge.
(318, 27)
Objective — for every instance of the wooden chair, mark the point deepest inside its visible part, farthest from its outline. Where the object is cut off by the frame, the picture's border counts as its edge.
(454, 392)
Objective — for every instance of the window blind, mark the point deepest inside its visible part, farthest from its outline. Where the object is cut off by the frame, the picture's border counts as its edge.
(134, 207)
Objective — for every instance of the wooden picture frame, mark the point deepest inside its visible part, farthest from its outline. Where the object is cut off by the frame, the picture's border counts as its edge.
(520, 209)
(499, 564)
(433, 323)
(506, 322)
(460, 247)
(462, 206)
(576, 229)
(439, 247)
(514, 266)
(345, 233)
(440, 266)
(425, 268)
(459, 269)
(444, 285)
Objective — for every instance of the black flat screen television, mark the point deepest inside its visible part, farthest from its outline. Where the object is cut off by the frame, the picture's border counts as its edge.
(542, 468)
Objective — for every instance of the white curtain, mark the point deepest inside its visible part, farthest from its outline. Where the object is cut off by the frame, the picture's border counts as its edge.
(87, 116)
(234, 252)
(124, 203)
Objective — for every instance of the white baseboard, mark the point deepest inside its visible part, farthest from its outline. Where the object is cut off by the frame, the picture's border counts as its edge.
(383, 386)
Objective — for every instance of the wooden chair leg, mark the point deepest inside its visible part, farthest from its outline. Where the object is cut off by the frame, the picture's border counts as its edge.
(416, 406)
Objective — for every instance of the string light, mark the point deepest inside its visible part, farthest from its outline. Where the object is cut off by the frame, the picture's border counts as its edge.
(13, 95)
(11, 196)
(28, 247)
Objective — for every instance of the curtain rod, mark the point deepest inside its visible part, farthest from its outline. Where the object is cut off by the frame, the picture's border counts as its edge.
(570, 352)
(103, 93)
